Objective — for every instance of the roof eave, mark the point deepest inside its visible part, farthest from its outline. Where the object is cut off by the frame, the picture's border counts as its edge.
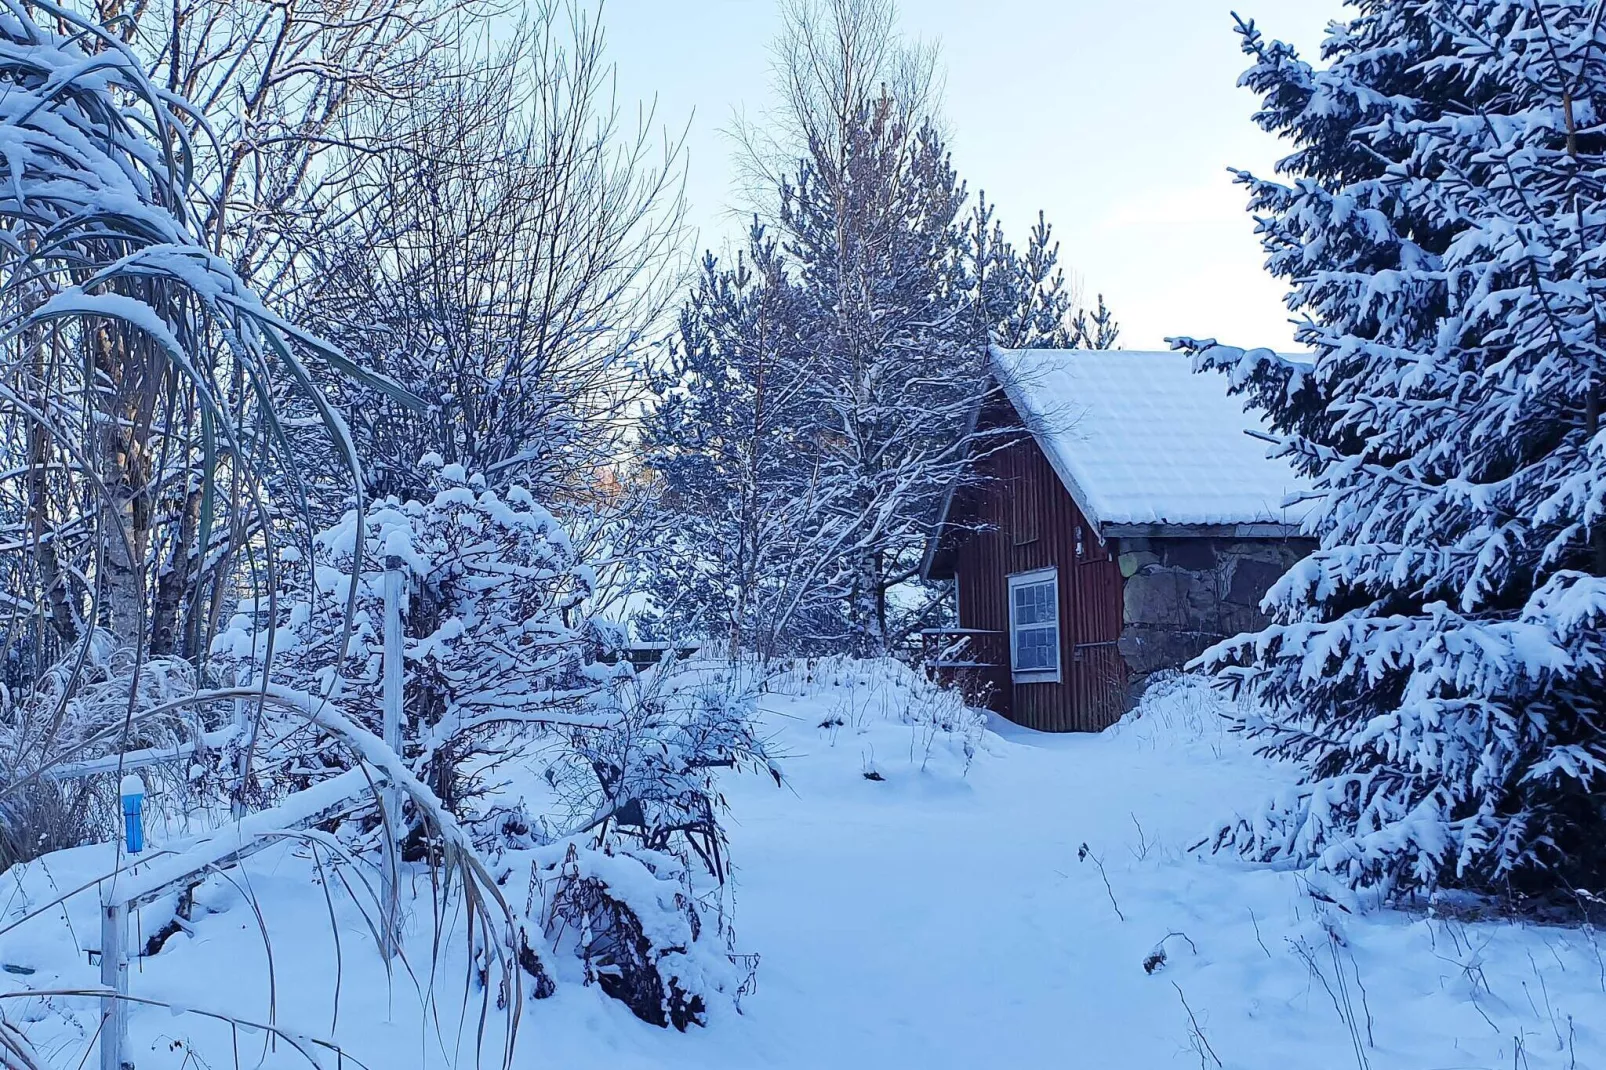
(1250, 530)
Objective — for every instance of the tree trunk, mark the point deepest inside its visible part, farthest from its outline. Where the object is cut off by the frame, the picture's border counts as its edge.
(870, 640)
(125, 525)
(173, 587)
(53, 579)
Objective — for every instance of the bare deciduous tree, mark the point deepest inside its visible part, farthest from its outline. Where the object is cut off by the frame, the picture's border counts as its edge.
(509, 259)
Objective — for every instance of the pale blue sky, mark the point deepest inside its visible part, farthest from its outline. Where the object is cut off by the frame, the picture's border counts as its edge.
(1117, 117)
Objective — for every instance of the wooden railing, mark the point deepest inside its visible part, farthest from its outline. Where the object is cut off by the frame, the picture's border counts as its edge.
(644, 655)
(974, 660)
(963, 648)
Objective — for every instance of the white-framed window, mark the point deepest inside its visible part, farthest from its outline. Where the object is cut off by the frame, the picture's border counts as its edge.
(1034, 626)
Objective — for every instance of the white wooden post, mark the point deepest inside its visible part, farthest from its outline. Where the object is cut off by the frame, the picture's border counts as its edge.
(114, 978)
(390, 796)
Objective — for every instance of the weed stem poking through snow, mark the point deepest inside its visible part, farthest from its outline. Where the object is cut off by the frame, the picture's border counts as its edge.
(1084, 853)
(1195, 1034)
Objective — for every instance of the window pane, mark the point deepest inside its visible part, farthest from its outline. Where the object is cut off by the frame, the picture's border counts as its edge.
(1034, 603)
(1034, 619)
(1035, 649)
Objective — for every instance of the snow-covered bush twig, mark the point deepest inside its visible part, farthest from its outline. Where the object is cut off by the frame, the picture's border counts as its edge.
(496, 640)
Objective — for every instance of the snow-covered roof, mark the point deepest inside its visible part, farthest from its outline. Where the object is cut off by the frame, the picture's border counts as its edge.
(1140, 438)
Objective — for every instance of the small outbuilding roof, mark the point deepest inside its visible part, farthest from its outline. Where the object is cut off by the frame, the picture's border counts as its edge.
(1140, 439)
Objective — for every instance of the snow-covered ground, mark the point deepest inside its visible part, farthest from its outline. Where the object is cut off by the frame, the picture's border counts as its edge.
(993, 899)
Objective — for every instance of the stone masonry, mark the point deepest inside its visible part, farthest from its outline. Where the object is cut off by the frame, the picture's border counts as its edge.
(1183, 595)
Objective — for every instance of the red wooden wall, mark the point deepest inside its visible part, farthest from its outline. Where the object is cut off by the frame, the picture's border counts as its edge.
(1026, 520)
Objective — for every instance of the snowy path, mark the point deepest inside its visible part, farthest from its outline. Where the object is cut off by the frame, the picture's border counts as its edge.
(939, 931)
(925, 916)
(923, 922)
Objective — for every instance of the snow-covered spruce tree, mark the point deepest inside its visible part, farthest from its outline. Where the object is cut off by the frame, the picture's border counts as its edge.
(1437, 665)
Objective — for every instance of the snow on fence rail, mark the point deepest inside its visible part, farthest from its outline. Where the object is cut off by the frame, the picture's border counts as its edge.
(236, 840)
(129, 888)
(139, 759)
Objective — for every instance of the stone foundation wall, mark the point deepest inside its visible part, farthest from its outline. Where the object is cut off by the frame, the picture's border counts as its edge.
(1183, 595)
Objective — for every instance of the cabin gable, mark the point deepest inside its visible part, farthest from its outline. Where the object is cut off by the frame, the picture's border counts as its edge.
(1023, 522)
(1158, 535)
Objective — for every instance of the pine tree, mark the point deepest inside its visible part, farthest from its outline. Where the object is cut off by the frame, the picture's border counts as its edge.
(873, 234)
(736, 478)
(1023, 299)
(1095, 330)
(1437, 665)
(822, 396)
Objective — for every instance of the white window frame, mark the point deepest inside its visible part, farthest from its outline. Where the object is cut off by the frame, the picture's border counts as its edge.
(1036, 577)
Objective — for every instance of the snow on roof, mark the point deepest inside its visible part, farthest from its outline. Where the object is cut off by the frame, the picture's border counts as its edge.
(1139, 438)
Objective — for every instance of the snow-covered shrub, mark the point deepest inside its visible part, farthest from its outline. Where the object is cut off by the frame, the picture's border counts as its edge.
(631, 863)
(628, 916)
(504, 673)
(1438, 665)
(649, 774)
(102, 699)
(495, 637)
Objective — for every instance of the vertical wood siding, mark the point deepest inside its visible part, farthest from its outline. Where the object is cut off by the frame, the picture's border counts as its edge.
(1028, 522)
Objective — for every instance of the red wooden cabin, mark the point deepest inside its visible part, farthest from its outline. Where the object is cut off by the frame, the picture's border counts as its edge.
(1129, 523)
